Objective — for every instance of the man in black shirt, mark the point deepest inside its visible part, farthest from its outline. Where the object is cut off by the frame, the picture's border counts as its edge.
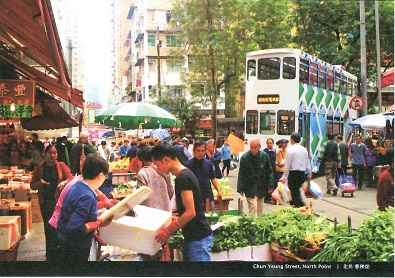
(198, 236)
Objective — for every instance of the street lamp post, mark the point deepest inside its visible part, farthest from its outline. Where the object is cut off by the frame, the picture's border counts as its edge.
(158, 46)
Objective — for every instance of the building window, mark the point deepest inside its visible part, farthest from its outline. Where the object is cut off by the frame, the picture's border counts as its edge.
(174, 67)
(171, 41)
(151, 40)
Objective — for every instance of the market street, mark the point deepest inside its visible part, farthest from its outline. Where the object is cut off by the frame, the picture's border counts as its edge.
(358, 207)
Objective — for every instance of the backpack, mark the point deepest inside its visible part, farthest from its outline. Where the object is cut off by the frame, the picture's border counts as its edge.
(330, 151)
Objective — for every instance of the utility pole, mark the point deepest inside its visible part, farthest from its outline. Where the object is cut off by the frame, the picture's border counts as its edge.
(70, 66)
(376, 13)
(158, 46)
(363, 57)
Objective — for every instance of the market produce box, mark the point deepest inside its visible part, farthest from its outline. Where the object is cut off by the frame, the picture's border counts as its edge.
(24, 211)
(137, 232)
(10, 231)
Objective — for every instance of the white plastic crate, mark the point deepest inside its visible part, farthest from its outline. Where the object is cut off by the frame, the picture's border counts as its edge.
(10, 231)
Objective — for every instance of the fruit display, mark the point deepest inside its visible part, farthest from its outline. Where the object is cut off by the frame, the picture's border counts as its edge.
(120, 166)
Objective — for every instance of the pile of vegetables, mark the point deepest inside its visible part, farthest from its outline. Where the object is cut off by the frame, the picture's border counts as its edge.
(224, 186)
(373, 241)
(123, 189)
(295, 228)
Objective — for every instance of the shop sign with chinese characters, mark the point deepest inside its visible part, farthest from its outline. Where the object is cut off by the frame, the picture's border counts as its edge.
(17, 98)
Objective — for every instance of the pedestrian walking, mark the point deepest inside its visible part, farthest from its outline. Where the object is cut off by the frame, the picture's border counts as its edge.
(330, 156)
(82, 148)
(371, 160)
(385, 185)
(358, 159)
(255, 177)
(281, 155)
(226, 158)
(343, 152)
(271, 151)
(215, 156)
(296, 166)
(46, 178)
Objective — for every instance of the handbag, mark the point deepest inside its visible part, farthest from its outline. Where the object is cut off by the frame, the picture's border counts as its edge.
(82, 157)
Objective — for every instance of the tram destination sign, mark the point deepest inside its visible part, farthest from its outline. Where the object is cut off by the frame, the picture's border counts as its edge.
(268, 99)
(16, 98)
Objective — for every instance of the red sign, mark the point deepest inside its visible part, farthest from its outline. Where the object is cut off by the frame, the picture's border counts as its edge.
(357, 103)
(17, 98)
(93, 105)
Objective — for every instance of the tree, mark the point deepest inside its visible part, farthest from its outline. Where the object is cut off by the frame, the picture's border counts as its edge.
(217, 36)
(183, 109)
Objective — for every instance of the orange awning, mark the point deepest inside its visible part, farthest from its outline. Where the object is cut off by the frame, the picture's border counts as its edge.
(29, 27)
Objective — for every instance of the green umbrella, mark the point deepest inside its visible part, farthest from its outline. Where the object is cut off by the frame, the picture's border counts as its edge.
(136, 115)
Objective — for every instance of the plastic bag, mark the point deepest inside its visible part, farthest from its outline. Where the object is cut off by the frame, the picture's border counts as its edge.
(283, 190)
(276, 195)
(313, 190)
(286, 192)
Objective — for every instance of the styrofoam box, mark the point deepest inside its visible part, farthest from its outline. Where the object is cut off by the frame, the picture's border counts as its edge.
(10, 231)
(137, 233)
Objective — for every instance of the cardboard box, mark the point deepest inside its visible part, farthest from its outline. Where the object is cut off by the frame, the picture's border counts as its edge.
(10, 255)
(10, 231)
(36, 211)
(23, 210)
(137, 233)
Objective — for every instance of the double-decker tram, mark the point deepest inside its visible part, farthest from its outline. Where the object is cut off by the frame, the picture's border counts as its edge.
(289, 91)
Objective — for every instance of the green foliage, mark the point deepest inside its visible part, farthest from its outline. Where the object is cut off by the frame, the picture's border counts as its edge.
(183, 109)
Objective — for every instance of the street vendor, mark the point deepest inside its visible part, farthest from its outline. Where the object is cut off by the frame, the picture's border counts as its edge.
(78, 216)
(198, 236)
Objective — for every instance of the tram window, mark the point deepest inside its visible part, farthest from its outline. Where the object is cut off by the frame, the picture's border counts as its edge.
(267, 122)
(285, 122)
(304, 71)
(251, 68)
(329, 124)
(337, 126)
(269, 68)
(337, 83)
(353, 87)
(251, 122)
(322, 77)
(330, 79)
(289, 68)
(313, 74)
(345, 86)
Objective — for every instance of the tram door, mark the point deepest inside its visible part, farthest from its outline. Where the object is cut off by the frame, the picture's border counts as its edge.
(304, 130)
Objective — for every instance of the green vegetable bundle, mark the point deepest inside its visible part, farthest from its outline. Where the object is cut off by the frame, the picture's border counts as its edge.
(373, 241)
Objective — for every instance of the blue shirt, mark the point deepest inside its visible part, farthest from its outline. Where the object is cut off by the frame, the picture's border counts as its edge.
(123, 150)
(204, 172)
(225, 151)
(79, 207)
(358, 153)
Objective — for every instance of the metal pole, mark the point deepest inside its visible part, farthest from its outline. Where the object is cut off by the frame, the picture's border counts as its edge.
(376, 12)
(70, 65)
(363, 57)
(158, 45)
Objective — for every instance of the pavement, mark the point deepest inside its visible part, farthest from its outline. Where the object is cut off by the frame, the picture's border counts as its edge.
(357, 208)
